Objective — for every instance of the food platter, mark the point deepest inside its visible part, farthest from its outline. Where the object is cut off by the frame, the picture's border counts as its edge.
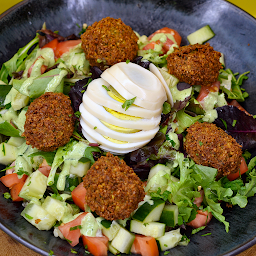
(235, 34)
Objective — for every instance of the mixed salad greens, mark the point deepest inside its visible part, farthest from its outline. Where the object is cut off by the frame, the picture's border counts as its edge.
(50, 183)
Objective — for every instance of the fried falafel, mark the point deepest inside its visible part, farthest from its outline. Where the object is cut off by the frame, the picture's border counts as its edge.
(49, 122)
(195, 64)
(113, 190)
(108, 42)
(211, 146)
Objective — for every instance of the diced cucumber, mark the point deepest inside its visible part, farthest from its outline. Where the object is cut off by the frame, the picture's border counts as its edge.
(17, 99)
(38, 216)
(21, 119)
(149, 211)
(22, 166)
(155, 169)
(169, 240)
(56, 208)
(112, 249)
(34, 187)
(111, 231)
(170, 215)
(89, 225)
(16, 141)
(154, 229)
(8, 153)
(81, 169)
(201, 35)
(222, 60)
(123, 241)
(10, 115)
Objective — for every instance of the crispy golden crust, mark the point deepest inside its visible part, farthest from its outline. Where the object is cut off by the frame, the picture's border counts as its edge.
(195, 64)
(113, 190)
(209, 145)
(108, 42)
(49, 121)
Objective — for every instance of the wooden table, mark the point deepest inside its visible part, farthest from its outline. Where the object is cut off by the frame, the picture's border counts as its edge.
(10, 247)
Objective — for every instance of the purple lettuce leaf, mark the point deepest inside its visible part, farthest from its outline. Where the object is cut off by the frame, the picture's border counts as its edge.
(238, 124)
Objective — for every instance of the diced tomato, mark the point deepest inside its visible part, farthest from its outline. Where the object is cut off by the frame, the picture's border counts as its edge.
(167, 30)
(205, 90)
(78, 196)
(65, 46)
(98, 246)
(53, 44)
(145, 246)
(202, 219)
(15, 190)
(10, 180)
(72, 236)
(199, 200)
(243, 168)
(236, 104)
(43, 67)
(44, 168)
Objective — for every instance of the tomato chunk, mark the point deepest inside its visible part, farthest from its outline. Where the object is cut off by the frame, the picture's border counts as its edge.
(145, 246)
(98, 246)
(65, 46)
(15, 190)
(44, 168)
(202, 219)
(10, 180)
(72, 236)
(52, 44)
(78, 196)
(243, 169)
(205, 90)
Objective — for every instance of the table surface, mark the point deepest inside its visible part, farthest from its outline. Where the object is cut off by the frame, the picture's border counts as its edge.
(10, 247)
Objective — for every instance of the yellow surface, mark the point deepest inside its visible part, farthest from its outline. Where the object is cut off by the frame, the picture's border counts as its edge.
(247, 5)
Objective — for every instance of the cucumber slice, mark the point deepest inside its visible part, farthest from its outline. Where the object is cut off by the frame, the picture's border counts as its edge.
(149, 211)
(111, 231)
(123, 241)
(112, 249)
(55, 207)
(154, 229)
(81, 169)
(8, 153)
(169, 240)
(34, 187)
(170, 215)
(154, 170)
(201, 35)
(16, 141)
(38, 216)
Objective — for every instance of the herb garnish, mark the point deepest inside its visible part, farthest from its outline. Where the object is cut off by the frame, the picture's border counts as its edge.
(128, 103)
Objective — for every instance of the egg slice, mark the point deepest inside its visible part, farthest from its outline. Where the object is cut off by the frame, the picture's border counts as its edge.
(158, 74)
(95, 124)
(127, 95)
(138, 81)
(100, 112)
(99, 94)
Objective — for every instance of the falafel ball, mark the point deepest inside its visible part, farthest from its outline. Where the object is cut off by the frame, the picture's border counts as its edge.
(108, 42)
(195, 64)
(211, 146)
(49, 121)
(113, 190)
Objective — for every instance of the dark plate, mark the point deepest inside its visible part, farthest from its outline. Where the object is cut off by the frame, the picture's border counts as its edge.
(235, 37)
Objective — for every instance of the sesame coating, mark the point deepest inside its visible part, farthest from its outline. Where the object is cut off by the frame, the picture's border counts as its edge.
(211, 146)
(49, 121)
(195, 64)
(113, 190)
(109, 41)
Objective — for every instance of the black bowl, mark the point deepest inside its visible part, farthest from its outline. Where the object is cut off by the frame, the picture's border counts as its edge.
(235, 37)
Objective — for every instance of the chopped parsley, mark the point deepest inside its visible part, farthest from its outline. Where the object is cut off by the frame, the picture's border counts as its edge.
(72, 188)
(145, 224)
(95, 127)
(104, 86)
(201, 143)
(73, 251)
(207, 234)
(89, 80)
(128, 103)
(75, 227)
(171, 141)
(7, 195)
(166, 252)
(234, 123)
(224, 122)
(3, 149)
(50, 252)
(69, 241)
(78, 114)
(28, 216)
(127, 61)
(21, 172)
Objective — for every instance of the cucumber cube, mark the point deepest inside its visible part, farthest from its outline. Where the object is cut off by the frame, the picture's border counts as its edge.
(81, 169)
(170, 215)
(154, 229)
(16, 141)
(169, 240)
(38, 216)
(111, 231)
(201, 35)
(123, 241)
(34, 187)
(8, 153)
